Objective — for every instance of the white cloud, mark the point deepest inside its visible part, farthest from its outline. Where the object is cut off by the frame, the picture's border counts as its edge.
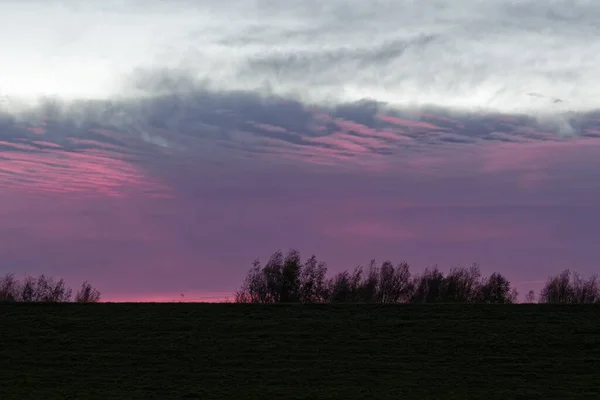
(470, 54)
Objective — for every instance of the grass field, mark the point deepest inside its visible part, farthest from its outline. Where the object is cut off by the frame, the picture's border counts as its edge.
(231, 351)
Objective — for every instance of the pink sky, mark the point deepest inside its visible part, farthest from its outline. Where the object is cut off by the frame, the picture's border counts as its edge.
(153, 213)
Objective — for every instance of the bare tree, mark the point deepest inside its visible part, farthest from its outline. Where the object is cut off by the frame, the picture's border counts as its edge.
(394, 283)
(356, 283)
(461, 284)
(46, 290)
(370, 284)
(254, 288)
(569, 288)
(340, 288)
(9, 288)
(427, 286)
(31, 289)
(28, 290)
(320, 291)
(290, 277)
(585, 291)
(512, 296)
(273, 275)
(87, 294)
(497, 289)
(558, 289)
(287, 279)
(530, 297)
(312, 281)
(284, 280)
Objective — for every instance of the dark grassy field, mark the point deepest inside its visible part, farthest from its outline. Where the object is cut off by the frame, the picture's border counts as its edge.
(229, 351)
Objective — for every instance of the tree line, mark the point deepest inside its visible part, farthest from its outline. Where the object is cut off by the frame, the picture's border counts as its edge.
(286, 279)
(45, 290)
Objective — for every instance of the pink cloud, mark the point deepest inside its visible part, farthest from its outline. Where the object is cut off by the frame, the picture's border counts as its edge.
(93, 171)
(370, 133)
(410, 123)
(37, 130)
(457, 123)
(95, 143)
(271, 128)
(18, 146)
(47, 144)
(537, 156)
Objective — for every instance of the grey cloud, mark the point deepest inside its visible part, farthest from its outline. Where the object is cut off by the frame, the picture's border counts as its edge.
(479, 54)
(180, 112)
(315, 63)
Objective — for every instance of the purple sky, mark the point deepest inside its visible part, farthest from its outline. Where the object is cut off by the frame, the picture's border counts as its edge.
(249, 177)
(190, 162)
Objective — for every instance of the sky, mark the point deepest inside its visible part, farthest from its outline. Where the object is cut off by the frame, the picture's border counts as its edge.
(157, 148)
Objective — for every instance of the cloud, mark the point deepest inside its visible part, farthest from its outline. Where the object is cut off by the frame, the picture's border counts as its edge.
(115, 145)
(479, 54)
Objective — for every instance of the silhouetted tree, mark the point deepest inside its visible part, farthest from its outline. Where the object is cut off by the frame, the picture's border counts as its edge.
(284, 279)
(28, 290)
(530, 298)
(87, 294)
(569, 288)
(254, 288)
(585, 291)
(9, 288)
(290, 278)
(427, 286)
(496, 289)
(394, 283)
(273, 272)
(340, 288)
(42, 289)
(313, 287)
(558, 289)
(461, 285)
(379, 285)
(287, 279)
(52, 292)
(356, 282)
(370, 284)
